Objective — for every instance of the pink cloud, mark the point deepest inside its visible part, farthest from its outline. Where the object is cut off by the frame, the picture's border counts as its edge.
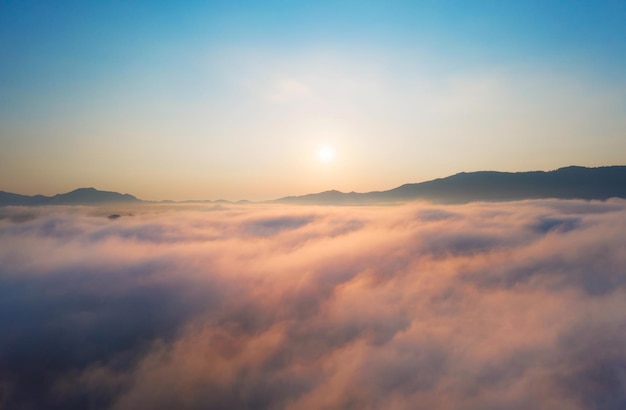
(485, 305)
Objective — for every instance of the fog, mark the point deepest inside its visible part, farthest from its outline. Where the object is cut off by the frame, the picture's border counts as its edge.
(481, 306)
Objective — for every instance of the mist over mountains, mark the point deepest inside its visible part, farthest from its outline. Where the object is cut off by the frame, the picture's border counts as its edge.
(571, 182)
(481, 305)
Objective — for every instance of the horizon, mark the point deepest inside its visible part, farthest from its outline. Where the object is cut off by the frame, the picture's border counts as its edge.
(260, 100)
(309, 193)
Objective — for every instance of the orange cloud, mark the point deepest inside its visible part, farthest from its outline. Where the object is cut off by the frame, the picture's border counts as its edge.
(485, 305)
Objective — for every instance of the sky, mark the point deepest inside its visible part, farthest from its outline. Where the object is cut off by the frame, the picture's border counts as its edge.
(259, 100)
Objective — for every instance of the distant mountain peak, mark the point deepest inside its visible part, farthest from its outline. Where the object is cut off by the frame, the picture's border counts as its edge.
(90, 189)
(80, 196)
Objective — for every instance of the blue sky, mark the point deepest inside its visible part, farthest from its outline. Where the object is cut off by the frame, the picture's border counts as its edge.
(233, 99)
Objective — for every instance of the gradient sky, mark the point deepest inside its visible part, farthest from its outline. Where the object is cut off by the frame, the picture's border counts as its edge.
(233, 99)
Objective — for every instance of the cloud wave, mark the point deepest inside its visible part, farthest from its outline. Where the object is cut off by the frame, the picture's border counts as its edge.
(480, 306)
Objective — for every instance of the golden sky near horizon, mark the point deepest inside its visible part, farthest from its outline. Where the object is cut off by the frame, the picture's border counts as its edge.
(200, 101)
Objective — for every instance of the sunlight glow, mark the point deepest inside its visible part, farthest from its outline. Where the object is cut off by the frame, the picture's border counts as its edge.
(325, 153)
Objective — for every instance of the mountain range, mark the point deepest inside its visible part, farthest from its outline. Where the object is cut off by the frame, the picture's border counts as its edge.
(572, 182)
(81, 196)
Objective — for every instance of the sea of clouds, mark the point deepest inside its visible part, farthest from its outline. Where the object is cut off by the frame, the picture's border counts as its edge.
(515, 305)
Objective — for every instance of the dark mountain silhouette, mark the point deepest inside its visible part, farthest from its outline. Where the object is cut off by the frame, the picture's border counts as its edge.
(7, 198)
(565, 183)
(81, 196)
(86, 196)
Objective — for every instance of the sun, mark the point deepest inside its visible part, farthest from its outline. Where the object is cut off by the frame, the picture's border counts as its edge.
(325, 153)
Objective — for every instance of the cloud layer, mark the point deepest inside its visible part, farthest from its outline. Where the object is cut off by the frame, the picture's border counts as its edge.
(482, 306)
